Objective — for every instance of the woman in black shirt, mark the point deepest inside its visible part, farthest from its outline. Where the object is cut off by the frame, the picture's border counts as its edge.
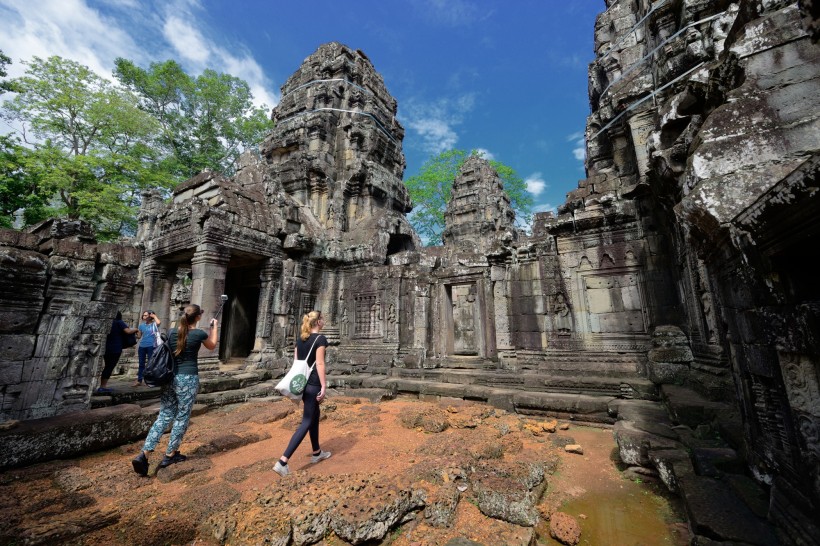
(310, 346)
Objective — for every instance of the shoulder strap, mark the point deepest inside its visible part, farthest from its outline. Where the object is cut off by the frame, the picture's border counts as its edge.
(311, 347)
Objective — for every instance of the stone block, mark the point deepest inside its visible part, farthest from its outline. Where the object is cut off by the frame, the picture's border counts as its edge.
(70, 435)
(715, 511)
(16, 346)
(666, 461)
(635, 444)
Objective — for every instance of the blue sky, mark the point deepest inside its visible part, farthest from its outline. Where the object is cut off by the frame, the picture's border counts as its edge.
(509, 78)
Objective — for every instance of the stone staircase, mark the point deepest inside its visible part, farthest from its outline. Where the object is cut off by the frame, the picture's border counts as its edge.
(220, 384)
(566, 386)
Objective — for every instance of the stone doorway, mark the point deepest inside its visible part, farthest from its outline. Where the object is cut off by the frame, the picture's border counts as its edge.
(242, 285)
(465, 320)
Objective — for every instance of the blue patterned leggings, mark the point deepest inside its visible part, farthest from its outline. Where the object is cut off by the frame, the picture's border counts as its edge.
(176, 403)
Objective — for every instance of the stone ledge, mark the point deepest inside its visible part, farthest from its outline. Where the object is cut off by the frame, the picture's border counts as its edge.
(73, 434)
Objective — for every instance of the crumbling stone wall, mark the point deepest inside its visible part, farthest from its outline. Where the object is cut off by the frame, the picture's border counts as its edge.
(59, 291)
(705, 117)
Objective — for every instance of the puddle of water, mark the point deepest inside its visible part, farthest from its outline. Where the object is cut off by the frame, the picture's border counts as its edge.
(634, 514)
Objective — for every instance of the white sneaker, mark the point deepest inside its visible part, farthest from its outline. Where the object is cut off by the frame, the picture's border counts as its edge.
(281, 469)
(320, 457)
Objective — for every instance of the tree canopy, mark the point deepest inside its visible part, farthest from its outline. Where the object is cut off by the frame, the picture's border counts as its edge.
(90, 146)
(430, 192)
(206, 121)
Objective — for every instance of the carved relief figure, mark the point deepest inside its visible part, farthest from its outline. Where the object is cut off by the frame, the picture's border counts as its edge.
(709, 316)
(561, 319)
(345, 322)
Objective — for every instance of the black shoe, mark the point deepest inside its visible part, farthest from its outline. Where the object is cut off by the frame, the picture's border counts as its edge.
(175, 458)
(140, 464)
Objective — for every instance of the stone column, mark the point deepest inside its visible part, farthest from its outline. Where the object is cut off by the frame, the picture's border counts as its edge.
(640, 126)
(421, 304)
(208, 270)
(268, 279)
(501, 312)
(158, 280)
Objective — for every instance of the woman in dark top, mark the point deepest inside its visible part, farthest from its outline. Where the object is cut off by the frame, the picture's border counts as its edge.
(177, 399)
(311, 346)
(113, 350)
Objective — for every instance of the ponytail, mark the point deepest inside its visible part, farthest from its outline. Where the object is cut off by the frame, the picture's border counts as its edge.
(309, 322)
(189, 318)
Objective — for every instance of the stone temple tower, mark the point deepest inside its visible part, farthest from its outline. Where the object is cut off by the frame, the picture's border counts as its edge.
(479, 214)
(337, 149)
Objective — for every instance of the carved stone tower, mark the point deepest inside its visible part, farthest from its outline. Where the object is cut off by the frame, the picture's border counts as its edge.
(479, 213)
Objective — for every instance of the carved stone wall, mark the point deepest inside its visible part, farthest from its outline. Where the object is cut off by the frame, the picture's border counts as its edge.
(680, 258)
(59, 291)
(705, 119)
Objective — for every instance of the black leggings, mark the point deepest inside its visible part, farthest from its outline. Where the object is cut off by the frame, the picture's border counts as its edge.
(110, 362)
(310, 421)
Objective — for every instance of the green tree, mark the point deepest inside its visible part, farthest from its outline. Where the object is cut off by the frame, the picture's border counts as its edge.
(430, 192)
(206, 121)
(5, 85)
(92, 150)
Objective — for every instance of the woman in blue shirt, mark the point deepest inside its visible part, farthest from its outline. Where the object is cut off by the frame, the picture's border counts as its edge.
(149, 338)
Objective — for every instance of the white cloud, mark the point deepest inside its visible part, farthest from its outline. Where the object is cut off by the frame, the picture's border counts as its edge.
(544, 207)
(437, 135)
(68, 28)
(535, 183)
(580, 150)
(181, 30)
(186, 40)
(140, 31)
(435, 122)
(485, 153)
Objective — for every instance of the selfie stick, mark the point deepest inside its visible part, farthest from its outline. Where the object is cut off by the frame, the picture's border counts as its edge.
(224, 298)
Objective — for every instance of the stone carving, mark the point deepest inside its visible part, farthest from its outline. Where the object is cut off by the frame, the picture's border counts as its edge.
(562, 321)
(699, 200)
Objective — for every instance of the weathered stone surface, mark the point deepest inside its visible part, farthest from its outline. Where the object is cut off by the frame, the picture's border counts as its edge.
(714, 511)
(676, 266)
(565, 529)
(69, 435)
(440, 506)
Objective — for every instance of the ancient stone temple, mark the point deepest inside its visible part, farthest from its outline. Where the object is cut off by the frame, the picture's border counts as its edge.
(670, 296)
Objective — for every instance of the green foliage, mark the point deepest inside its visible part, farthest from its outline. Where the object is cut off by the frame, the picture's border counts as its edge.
(4, 84)
(17, 188)
(90, 147)
(94, 148)
(206, 121)
(430, 192)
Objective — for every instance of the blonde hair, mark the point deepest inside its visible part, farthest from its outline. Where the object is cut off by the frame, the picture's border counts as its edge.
(309, 322)
(190, 316)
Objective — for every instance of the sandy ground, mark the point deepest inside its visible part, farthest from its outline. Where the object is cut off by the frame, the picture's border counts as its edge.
(98, 499)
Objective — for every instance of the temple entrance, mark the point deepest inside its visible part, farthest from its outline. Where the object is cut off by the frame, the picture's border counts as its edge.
(238, 335)
(465, 320)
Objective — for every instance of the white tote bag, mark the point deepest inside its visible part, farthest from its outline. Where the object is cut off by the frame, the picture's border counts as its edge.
(294, 382)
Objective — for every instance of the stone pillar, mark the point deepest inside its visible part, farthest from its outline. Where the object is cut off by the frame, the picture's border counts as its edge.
(208, 270)
(640, 126)
(268, 284)
(421, 304)
(158, 280)
(501, 311)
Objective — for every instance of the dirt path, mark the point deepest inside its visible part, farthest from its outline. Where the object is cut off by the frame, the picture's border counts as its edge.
(98, 500)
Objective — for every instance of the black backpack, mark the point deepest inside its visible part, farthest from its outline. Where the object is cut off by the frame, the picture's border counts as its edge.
(159, 370)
